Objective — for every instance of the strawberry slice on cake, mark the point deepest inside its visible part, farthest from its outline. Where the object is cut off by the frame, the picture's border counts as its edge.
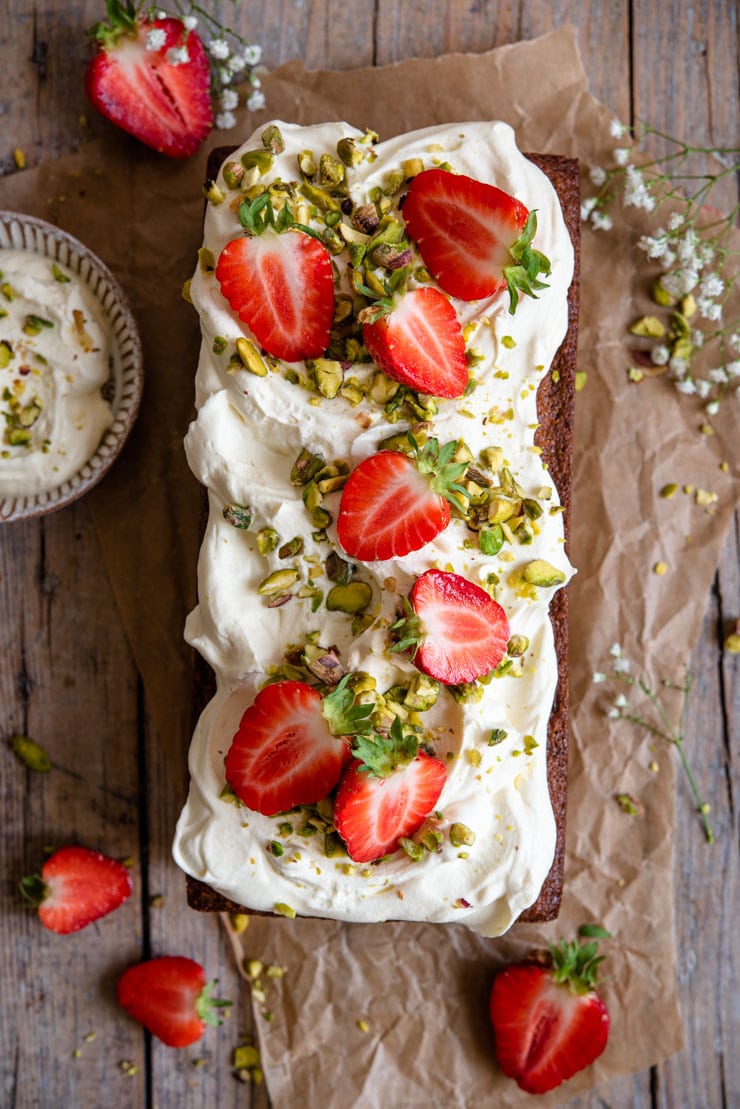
(475, 239)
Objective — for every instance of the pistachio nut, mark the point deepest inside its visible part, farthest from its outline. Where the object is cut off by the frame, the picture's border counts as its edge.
(539, 572)
(306, 467)
(250, 357)
(277, 582)
(267, 540)
(261, 160)
(327, 374)
(350, 598)
(238, 515)
(273, 140)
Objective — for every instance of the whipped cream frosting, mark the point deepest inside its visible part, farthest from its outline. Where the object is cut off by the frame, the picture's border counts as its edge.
(242, 445)
(54, 360)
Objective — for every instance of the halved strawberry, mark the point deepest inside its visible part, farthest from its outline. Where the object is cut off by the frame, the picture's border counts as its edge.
(76, 886)
(279, 281)
(291, 745)
(548, 1021)
(474, 238)
(171, 997)
(386, 793)
(162, 102)
(394, 503)
(420, 343)
(456, 630)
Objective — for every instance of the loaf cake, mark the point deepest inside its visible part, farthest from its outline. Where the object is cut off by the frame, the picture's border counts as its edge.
(427, 661)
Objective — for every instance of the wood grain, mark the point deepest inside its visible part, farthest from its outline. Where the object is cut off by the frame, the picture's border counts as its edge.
(68, 679)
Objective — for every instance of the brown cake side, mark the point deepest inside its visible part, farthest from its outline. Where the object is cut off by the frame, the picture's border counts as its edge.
(555, 408)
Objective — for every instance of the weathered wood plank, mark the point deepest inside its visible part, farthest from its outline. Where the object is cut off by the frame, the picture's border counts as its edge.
(66, 680)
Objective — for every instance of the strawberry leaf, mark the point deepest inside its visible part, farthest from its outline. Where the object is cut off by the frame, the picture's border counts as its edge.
(381, 755)
(342, 714)
(206, 1006)
(523, 276)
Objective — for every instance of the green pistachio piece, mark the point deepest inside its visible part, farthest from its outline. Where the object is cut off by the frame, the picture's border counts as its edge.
(307, 163)
(320, 518)
(648, 327)
(59, 274)
(414, 850)
(421, 694)
(331, 172)
(305, 468)
(412, 167)
(267, 540)
(431, 839)
(233, 174)
(261, 160)
(332, 484)
(661, 296)
(273, 140)
(319, 197)
(18, 437)
(501, 509)
(219, 344)
(461, 835)
(334, 845)
(498, 735)
(213, 193)
(688, 306)
(31, 753)
(349, 152)
(361, 622)
(6, 354)
(491, 539)
(532, 509)
(390, 231)
(206, 261)
(277, 582)
(492, 458)
(292, 548)
(543, 573)
(524, 531)
(337, 570)
(250, 357)
(282, 909)
(517, 646)
(328, 375)
(7, 290)
(349, 598)
(28, 416)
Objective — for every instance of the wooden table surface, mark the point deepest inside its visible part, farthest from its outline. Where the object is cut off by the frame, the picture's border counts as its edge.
(66, 670)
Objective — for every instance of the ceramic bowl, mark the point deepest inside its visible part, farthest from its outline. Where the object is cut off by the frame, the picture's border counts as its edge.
(124, 386)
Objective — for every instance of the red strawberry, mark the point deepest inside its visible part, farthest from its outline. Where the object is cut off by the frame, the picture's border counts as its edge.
(171, 997)
(455, 629)
(292, 745)
(76, 886)
(394, 503)
(386, 793)
(165, 105)
(548, 1021)
(473, 237)
(420, 343)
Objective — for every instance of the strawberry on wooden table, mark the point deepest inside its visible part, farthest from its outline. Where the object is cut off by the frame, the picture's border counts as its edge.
(292, 745)
(475, 239)
(151, 77)
(76, 886)
(171, 997)
(456, 631)
(548, 1021)
(394, 503)
(278, 279)
(417, 340)
(386, 793)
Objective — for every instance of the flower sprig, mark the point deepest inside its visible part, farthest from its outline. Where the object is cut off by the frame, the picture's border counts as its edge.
(232, 59)
(659, 724)
(693, 248)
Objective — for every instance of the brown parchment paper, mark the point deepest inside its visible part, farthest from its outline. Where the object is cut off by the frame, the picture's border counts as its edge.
(423, 989)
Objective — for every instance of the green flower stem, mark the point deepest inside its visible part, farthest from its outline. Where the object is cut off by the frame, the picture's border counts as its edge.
(670, 736)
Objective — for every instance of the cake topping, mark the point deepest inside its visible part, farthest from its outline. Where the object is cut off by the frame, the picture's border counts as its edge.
(474, 238)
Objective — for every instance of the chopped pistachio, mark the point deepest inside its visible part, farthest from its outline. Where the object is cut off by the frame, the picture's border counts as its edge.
(529, 744)
(30, 753)
(517, 646)
(250, 357)
(350, 598)
(661, 295)
(284, 910)
(305, 468)
(185, 291)
(431, 838)
(669, 490)
(414, 850)
(628, 804)
(331, 172)
(508, 342)
(19, 157)
(498, 735)
(238, 515)
(267, 540)
(261, 160)
(461, 835)
(213, 193)
(328, 375)
(219, 344)
(59, 274)
(349, 153)
(732, 643)
(660, 568)
(273, 140)
(292, 548)
(6, 354)
(581, 378)
(233, 174)
(648, 327)
(276, 848)
(363, 1026)
(337, 570)
(239, 923)
(277, 582)
(539, 572)
(245, 1056)
(206, 261)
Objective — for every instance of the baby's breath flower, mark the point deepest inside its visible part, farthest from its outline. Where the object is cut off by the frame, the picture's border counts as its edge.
(686, 386)
(697, 337)
(229, 99)
(189, 22)
(621, 702)
(601, 221)
(677, 365)
(252, 54)
(718, 375)
(155, 39)
(225, 76)
(709, 309)
(597, 677)
(615, 650)
(219, 49)
(614, 713)
(655, 246)
(588, 206)
(734, 341)
(703, 388)
(597, 175)
(636, 193)
(177, 55)
(674, 221)
(711, 285)
(235, 64)
(225, 121)
(712, 408)
(621, 665)
(733, 368)
(659, 355)
(617, 129)
(256, 101)
(621, 155)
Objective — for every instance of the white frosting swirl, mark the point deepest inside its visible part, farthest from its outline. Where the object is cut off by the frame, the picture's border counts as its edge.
(248, 432)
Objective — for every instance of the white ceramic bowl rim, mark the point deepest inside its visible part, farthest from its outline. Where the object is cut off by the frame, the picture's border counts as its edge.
(22, 232)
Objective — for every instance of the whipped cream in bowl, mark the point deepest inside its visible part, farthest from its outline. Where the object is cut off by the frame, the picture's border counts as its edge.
(70, 368)
(492, 833)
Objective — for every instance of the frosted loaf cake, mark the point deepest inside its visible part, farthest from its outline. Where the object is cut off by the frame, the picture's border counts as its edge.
(278, 441)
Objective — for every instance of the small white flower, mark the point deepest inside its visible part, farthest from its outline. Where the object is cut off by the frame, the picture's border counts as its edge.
(252, 54)
(601, 221)
(674, 221)
(712, 408)
(679, 282)
(678, 366)
(718, 376)
(225, 121)
(177, 55)
(256, 101)
(620, 702)
(614, 713)
(219, 49)
(616, 129)
(703, 388)
(597, 175)
(686, 251)
(733, 368)
(588, 206)
(235, 63)
(621, 665)
(189, 22)
(597, 677)
(229, 99)
(713, 311)
(161, 14)
(615, 650)
(224, 75)
(705, 253)
(711, 285)
(621, 155)
(734, 341)
(254, 81)
(697, 338)
(155, 39)
(669, 258)
(686, 387)
(659, 355)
